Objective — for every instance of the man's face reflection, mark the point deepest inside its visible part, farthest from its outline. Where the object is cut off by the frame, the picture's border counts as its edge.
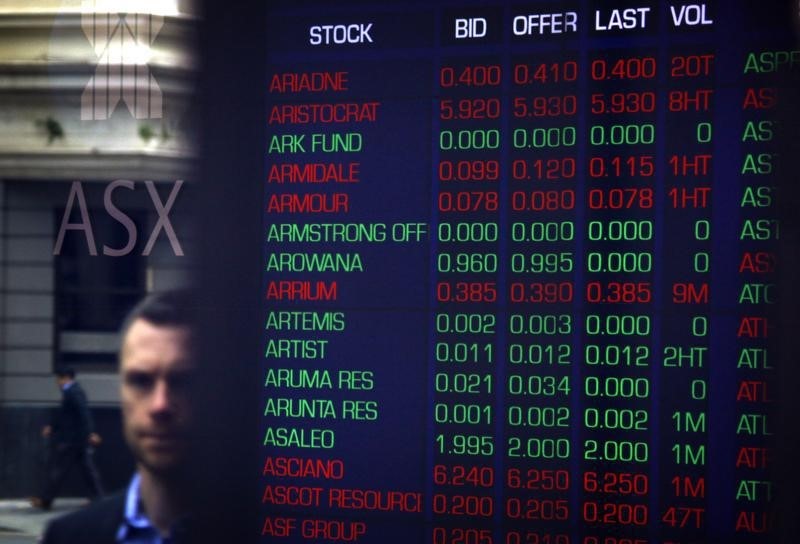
(156, 369)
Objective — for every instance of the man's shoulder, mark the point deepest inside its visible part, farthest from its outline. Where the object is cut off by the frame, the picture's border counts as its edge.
(95, 524)
(75, 391)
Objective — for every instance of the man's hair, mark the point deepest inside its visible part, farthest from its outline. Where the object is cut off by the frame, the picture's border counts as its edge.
(65, 372)
(169, 308)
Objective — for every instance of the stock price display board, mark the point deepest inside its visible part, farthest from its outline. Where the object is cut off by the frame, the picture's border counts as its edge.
(520, 267)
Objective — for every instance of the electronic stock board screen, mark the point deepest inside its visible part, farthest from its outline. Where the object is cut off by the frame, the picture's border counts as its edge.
(522, 271)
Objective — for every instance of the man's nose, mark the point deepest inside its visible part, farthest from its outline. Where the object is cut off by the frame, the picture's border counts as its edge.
(162, 398)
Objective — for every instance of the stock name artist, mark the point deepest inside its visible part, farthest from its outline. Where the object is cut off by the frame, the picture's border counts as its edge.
(155, 367)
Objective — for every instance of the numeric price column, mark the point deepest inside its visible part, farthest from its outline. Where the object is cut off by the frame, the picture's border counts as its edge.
(541, 293)
(620, 234)
(467, 267)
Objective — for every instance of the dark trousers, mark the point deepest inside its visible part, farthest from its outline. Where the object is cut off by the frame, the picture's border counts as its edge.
(63, 456)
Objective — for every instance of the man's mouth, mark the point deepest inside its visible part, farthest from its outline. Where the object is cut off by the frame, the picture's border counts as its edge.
(162, 438)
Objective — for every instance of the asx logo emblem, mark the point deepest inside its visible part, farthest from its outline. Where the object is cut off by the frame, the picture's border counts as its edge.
(121, 41)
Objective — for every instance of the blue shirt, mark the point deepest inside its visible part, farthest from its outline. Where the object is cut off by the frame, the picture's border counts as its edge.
(136, 527)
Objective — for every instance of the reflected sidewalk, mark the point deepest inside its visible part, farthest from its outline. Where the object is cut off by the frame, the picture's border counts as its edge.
(22, 523)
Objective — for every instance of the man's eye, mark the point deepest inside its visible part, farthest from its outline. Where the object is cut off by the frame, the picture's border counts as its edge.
(139, 381)
(180, 382)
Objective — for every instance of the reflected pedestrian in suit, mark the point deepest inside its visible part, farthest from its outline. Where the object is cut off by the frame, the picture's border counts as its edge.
(72, 441)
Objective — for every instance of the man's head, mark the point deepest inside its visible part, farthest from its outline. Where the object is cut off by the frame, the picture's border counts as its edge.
(156, 368)
(64, 375)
